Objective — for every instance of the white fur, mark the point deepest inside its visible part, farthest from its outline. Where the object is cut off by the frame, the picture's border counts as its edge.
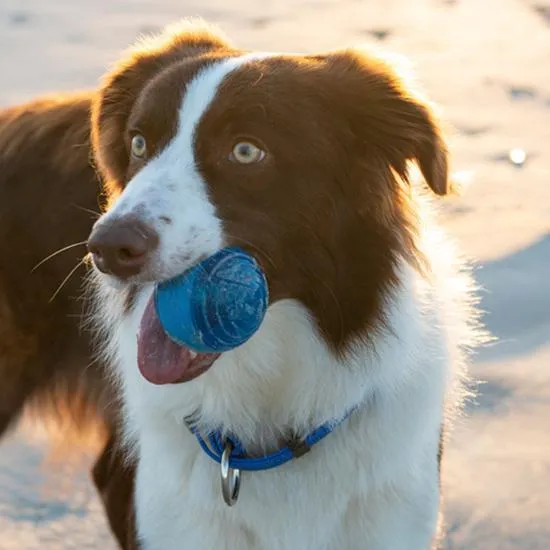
(170, 185)
(373, 483)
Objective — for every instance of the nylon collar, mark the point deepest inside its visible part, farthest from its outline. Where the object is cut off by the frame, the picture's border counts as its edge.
(214, 444)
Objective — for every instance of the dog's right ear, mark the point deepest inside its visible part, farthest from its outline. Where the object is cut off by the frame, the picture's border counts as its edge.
(386, 113)
(120, 88)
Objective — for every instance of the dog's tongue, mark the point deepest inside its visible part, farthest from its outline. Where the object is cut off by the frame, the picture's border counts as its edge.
(160, 359)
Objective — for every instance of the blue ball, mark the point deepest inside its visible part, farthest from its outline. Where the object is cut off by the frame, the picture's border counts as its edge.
(216, 305)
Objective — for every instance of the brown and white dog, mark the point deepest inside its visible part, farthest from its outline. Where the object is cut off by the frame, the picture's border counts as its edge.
(49, 194)
(302, 160)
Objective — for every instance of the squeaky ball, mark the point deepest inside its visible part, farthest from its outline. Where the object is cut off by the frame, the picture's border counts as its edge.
(215, 306)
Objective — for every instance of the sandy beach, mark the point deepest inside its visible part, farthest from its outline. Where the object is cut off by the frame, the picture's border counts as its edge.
(487, 64)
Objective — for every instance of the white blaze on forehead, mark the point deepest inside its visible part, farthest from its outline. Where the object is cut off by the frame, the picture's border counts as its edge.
(204, 87)
(170, 185)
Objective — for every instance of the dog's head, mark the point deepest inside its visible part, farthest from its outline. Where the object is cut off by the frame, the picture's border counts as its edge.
(299, 159)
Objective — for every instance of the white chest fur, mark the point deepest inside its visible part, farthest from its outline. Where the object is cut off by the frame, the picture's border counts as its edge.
(372, 484)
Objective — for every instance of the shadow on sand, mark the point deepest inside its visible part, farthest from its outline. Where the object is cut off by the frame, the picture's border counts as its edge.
(516, 301)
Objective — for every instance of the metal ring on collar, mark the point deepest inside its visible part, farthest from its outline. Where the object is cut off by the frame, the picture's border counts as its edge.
(231, 477)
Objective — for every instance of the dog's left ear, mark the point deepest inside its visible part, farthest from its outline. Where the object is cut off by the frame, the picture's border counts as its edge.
(386, 116)
(423, 143)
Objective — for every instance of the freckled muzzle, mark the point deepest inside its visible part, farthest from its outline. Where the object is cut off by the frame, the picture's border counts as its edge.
(214, 307)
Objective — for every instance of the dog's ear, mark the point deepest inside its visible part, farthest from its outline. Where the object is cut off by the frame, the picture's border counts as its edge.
(386, 116)
(421, 140)
(121, 86)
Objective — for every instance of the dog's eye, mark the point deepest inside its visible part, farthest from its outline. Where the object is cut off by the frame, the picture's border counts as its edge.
(139, 146)
(245, 152)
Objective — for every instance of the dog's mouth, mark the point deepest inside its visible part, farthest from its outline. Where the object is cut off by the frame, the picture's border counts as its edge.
(163, 361)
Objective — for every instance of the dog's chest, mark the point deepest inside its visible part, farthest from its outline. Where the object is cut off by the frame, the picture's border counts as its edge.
(300, 505)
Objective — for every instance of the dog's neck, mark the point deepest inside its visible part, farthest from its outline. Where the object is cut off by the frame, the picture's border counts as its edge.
(284, 379)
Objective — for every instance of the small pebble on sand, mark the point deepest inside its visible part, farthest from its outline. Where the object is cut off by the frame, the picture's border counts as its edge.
(517, 156)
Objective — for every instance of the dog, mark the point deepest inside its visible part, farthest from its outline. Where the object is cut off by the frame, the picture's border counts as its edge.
(303, 161)
(49, 197)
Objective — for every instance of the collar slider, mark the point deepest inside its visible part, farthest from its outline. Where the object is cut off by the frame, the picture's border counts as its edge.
(298, 447)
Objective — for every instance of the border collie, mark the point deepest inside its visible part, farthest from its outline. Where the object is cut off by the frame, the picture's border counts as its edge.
(49, 194)
(303, 161)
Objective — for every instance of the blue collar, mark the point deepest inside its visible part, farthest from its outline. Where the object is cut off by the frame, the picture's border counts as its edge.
(214, 444)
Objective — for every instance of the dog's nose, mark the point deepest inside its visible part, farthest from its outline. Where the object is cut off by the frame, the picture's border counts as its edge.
(123, 247)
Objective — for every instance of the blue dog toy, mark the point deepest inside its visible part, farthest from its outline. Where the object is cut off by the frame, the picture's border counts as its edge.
(216, 305)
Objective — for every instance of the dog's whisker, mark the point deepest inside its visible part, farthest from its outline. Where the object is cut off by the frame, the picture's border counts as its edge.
(91, 364)
(54, 254)
(85, 298)
(89, 210)
(64, 281)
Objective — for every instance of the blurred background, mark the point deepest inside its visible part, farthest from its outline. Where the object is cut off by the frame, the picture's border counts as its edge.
(487, 64)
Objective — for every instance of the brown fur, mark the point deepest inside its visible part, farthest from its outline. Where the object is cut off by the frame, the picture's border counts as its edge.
(45, 183)
(49, 195)
(343, 126)
(120, 88)
(340, 123)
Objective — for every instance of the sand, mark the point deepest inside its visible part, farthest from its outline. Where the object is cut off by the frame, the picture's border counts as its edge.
(487, 64)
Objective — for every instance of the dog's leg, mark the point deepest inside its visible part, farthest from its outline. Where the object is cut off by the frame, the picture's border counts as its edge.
(113, 475)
